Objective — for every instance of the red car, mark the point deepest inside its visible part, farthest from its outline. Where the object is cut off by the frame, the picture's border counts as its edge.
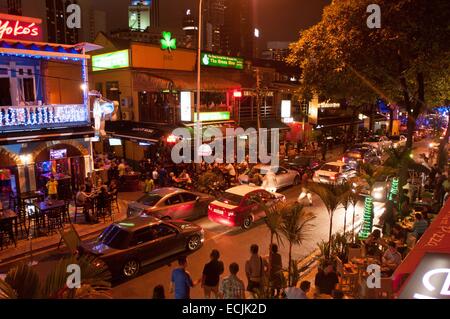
(240, 206)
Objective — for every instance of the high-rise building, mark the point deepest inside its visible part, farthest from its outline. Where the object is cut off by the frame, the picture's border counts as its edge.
(276, 50)
(237, 35)
(143, 14)
(213, 19)
(190, 28)
(54, 17)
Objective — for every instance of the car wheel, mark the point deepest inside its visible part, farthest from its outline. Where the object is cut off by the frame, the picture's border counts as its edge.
(296, 180)
(131, 268)
(247, 222)
(194, 243)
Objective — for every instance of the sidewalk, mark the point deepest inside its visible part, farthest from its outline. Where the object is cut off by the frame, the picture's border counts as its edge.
(44, 244)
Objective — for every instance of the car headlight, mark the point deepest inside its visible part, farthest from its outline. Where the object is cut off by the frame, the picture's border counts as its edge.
(378, 189)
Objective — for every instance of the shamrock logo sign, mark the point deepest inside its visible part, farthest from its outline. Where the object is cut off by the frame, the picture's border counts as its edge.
(167, 43)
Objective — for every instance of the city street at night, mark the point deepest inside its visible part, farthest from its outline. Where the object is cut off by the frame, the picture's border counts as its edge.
(224, 149)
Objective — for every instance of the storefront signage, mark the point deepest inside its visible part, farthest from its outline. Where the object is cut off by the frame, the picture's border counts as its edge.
(58, 154)
(167, 43)
(285, 108)
(329, 105)
(186, 101)
(212, 116)
(222, 61)
(113, 60)
(431, 280)
(20, 28)
(143, 129)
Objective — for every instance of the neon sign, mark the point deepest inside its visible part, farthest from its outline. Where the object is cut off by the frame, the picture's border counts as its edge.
(113, 60)
(20, 28)
(167, 42)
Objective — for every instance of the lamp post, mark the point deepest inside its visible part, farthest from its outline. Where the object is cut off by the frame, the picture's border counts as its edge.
(199, 53)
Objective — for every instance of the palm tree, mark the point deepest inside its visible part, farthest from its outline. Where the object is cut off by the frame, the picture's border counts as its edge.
(23, 282)
(353, 200)
(346, 200)
(331, 196)
(296, 226)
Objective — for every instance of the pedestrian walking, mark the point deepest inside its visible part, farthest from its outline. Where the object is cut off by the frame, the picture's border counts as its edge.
(232, 287)
(255, 269)
(211, 275)
(181, 282)
(305, 191)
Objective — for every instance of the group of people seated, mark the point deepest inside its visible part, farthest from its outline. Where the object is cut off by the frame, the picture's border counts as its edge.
(101, 193)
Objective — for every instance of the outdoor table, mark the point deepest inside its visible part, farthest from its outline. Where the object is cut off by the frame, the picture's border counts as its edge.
(42, 208)
(7, 217)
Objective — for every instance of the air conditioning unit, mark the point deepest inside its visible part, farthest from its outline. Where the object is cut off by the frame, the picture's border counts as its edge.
(127, 116)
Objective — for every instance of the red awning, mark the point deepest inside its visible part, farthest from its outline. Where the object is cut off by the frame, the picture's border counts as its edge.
(436, 239)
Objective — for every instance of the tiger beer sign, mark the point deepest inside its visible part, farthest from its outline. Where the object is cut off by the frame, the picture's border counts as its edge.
(20, 28)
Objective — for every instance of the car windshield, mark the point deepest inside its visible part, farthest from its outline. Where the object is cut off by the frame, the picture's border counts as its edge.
(114, 237)
(149, 199)
(330, 168)
(231, 199)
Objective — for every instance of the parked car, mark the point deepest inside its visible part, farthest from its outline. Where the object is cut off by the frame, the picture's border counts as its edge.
(381, 143)
(171, 203)
(240, 206)
(334, 173)
(356, 156)
(128, 245)
(398, 141)
(284, 177)
(303, 164)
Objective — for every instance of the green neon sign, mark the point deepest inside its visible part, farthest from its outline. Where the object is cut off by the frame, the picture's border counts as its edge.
(212, 116)
(113, 60)
(222, 61)
(167, 43)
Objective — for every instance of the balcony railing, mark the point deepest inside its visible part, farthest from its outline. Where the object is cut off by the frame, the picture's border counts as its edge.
(13, 118)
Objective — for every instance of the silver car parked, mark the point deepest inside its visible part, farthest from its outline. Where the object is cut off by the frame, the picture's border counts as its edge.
(171, 203)
(284, 177)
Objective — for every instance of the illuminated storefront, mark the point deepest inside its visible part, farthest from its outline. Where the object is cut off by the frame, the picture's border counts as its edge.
(45, 121)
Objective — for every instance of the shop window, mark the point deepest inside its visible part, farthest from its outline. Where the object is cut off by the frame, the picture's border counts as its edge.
(5, 95)
(28, 89)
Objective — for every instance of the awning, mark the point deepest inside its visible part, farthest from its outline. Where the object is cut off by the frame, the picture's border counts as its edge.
(436, 239)
(44, 50)
(180, 81)
(46, 135)
(146, 132)
(265, 123)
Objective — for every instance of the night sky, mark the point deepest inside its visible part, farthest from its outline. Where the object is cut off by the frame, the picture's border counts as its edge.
(278, 20)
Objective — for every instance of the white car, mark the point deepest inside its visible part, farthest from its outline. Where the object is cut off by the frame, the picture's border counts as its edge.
(283, 177)
(334, 173)
(381, 143)
(399, 141)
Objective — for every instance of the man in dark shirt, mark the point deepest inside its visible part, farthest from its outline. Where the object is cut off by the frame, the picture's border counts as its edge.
(326, 280)
(211, 275)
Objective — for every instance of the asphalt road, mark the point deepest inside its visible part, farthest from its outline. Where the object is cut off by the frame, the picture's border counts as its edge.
(233, 244)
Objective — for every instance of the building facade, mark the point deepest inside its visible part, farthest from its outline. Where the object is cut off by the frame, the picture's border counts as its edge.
(45, 122)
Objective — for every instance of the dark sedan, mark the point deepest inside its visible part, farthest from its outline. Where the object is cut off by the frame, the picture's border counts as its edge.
(171, 203)
(304, 164)
(128, 245)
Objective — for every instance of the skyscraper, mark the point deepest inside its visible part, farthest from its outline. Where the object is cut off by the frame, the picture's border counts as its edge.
(237, 34)
(143, 14)
(190, 28)
(213, 17)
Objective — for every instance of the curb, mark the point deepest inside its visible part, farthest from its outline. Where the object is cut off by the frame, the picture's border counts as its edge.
(40, 251)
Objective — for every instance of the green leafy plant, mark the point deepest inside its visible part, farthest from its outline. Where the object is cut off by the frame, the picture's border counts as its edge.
(23, 282)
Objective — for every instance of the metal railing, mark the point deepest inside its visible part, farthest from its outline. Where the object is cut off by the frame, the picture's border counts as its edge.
(42, 116)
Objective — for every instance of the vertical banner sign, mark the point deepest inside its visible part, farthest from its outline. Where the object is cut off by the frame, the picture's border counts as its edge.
(186, 106)
(285, 108)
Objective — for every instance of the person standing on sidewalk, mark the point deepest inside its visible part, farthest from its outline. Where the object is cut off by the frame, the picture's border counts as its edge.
(232, 287)
(181, 282)
(255, 269)
(211, 275)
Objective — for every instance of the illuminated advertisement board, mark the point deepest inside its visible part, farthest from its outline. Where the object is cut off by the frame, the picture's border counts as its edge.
(209, 59)
(112, 60)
